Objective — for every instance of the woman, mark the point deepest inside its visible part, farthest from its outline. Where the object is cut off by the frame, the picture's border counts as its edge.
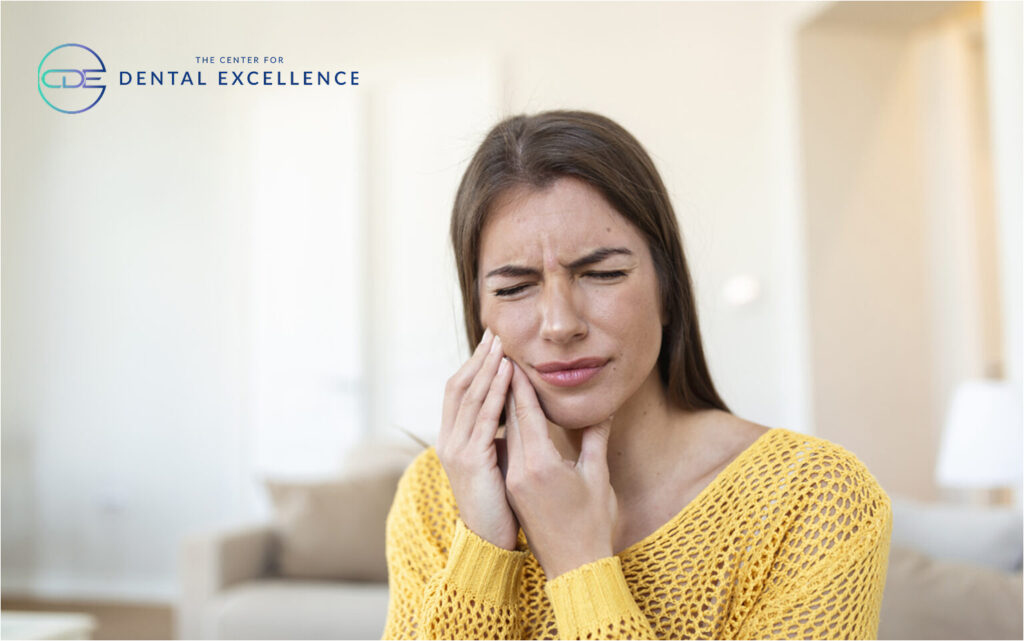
(630, 503)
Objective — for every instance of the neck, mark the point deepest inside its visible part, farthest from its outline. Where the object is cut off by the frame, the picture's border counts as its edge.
(643, 430)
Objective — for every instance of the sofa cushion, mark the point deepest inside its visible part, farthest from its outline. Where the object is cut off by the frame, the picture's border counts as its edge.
(292, 609)
(928, 598)
(333, 529)
(989, 536)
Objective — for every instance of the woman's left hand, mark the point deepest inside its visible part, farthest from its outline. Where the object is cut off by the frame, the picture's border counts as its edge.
(567, 509)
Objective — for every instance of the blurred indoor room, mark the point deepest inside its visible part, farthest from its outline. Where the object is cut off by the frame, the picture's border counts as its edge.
(229, 311)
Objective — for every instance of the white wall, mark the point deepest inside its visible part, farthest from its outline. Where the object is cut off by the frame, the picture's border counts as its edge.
(1005, 69)
(427, 120)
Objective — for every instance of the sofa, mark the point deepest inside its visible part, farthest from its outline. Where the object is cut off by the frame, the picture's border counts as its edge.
(231, 590)
(317, 570)
(954, 572)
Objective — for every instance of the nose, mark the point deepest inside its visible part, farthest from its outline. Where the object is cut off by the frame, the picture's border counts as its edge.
(562, 320)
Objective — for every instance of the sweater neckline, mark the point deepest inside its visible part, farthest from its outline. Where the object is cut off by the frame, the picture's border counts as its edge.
(728, 471)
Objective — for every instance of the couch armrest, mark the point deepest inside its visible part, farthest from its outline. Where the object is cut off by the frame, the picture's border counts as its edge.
(212, 561)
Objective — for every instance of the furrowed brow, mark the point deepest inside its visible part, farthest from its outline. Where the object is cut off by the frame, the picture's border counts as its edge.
(594, 257)
(597, 256)
(512, 271)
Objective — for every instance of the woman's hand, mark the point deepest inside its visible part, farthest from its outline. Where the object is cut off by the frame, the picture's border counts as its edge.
(568, 509)
(473, 400)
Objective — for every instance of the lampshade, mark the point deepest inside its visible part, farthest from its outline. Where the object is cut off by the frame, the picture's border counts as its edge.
(981, 441)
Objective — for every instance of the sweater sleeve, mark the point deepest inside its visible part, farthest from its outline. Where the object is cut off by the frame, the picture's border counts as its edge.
(827, 579)
(464, 590)
(594, 602)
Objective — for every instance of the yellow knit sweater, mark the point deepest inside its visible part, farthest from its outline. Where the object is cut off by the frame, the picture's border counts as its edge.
(791, 540)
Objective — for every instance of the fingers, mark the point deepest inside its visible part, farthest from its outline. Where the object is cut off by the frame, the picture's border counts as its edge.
(529, 445)
(473, 399)
(528, 438)
(460, 381)
(531, 422)
(593, 462)
(513, 440)
(490, 410)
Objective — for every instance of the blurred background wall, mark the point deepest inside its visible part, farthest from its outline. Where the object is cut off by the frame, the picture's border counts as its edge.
(208, 286)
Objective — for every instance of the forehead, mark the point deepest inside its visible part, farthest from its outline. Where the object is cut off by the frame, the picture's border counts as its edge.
(554, 224)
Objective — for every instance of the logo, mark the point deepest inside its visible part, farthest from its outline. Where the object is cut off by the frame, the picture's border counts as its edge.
(69, 78)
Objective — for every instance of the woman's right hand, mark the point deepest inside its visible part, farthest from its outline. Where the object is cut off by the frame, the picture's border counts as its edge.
(473, 400)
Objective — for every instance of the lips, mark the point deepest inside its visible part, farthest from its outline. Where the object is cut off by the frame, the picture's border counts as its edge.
(570, 374)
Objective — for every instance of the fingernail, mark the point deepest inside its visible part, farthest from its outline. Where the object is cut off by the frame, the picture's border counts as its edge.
(496, 345)
(504, 365)
(487, 334)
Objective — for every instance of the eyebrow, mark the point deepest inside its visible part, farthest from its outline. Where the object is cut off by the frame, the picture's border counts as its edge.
(592, 258)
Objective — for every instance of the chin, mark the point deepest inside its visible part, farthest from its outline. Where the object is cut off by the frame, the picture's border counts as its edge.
(576, 414)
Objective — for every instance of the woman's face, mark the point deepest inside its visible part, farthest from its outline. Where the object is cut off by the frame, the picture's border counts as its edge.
(569, 286)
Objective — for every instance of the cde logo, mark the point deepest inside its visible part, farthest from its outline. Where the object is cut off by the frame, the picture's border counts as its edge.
(69, 78)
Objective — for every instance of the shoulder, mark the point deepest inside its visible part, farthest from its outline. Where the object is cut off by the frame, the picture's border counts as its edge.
(425, 468)
(815, 461)
(425, 495)
(425, 478)
(824, 477)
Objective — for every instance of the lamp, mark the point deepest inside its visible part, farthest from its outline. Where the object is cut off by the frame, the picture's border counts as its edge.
(981, 441)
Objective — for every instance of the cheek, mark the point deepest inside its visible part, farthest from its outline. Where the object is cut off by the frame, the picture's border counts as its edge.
(633, 316)
(511, 323)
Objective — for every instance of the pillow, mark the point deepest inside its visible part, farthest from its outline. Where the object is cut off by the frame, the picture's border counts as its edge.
(927, 598)
(989, 536)
(333, 529)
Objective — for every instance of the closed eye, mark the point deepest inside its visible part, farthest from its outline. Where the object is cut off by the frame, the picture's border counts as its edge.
(512, 291)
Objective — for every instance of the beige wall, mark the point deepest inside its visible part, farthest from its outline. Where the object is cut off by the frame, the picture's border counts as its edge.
(866, 239)
(903, 286)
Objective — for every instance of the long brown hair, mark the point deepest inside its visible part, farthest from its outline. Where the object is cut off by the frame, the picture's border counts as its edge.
(537, 150)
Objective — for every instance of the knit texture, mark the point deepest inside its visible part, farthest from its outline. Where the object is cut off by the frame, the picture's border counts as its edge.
(790, 540)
